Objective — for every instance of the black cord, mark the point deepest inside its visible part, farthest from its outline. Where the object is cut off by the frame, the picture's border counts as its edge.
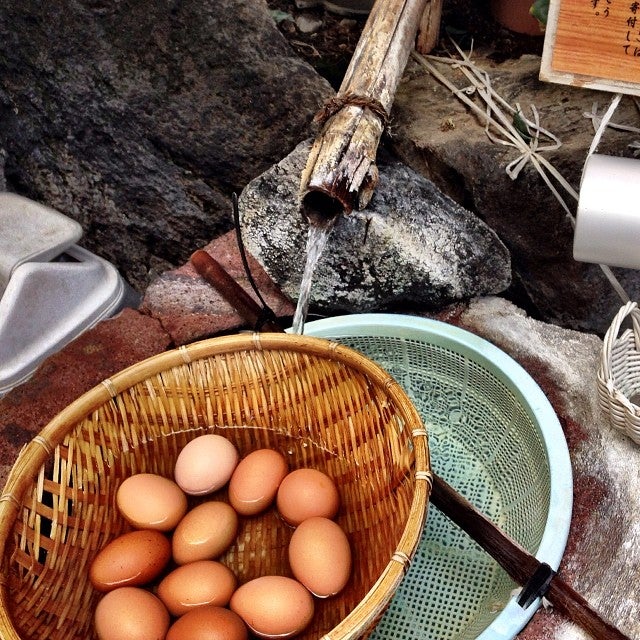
(267, 314)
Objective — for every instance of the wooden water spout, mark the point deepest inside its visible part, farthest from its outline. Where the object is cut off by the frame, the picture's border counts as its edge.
(341, 172)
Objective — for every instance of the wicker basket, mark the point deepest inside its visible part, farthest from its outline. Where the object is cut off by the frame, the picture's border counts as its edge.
(619, 372)
(323, 405)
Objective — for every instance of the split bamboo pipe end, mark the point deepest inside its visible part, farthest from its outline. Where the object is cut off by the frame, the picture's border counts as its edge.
(321, 209)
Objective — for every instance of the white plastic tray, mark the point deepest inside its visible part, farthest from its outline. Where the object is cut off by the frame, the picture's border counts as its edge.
(31, 232)
(47, 304)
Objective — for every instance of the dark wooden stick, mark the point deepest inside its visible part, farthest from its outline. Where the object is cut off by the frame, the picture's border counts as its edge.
(517, 561)
(511, 556)
(213, 272)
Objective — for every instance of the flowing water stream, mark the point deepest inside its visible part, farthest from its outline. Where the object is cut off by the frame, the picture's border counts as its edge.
(316, 242)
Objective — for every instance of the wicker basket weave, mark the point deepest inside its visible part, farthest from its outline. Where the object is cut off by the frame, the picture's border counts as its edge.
(323, 405)
(619, 372)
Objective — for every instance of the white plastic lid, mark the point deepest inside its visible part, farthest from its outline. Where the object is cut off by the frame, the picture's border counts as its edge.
(48, 304)
(31, 232)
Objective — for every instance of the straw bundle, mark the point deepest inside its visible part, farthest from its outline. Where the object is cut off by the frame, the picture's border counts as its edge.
(320, 404)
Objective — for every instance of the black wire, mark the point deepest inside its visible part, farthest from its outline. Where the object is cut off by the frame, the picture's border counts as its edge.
(267, 314)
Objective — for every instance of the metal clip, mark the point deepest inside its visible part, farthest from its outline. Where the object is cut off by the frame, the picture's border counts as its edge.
(537, 585)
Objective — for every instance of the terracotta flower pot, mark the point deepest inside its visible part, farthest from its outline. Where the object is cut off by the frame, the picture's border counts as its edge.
(515, 16)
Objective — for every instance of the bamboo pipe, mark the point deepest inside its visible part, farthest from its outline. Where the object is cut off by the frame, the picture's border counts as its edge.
(341, 173)
(512, 557)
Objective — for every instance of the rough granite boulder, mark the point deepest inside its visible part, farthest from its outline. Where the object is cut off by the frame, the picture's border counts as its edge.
(138, 120)
(412, 245)
(439, 136)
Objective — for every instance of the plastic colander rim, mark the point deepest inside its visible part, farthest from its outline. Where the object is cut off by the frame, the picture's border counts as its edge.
(512, 619)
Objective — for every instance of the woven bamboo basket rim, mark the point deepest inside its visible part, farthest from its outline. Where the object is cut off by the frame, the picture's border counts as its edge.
(620, 368)
(35, 453)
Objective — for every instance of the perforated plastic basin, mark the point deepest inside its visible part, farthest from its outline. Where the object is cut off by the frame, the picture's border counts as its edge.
(496, 439)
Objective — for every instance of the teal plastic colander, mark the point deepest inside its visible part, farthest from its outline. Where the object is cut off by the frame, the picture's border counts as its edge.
(496, 439)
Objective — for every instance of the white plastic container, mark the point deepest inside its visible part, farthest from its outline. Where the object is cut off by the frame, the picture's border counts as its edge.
(31, 232)
(54, 289)
(608, 217)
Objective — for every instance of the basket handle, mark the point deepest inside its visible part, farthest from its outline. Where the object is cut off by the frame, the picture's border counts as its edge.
(629, 309)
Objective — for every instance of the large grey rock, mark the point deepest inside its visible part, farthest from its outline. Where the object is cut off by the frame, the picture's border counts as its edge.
(412, 246)
(602, 558)
(436, 134)
(138, 119)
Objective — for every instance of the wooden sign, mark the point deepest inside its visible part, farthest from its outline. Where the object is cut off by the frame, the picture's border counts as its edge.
(593, 44)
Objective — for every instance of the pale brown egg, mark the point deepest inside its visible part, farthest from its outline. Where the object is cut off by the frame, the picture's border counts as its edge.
(132, 559)
(255, 481)
(320, 556)
(305, 493)
(150, 501)
(196, 584)
(208, 623)
(205, 464)
(273, 606)
(205, 532)
(131, 613)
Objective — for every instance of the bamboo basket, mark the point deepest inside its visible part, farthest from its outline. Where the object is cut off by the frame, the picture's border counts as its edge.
(323, 405)
(619, 373)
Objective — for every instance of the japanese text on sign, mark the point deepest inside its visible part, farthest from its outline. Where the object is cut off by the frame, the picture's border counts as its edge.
(598, 39)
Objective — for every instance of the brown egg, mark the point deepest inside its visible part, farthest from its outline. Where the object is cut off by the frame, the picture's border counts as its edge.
(150, 501)
(320, 556)
(205, 532)
(305, 493)
(205, 464)
(131, 559)
(208, 623)
(130, 613)
(196, 584)
(255, 481)
(273, 606)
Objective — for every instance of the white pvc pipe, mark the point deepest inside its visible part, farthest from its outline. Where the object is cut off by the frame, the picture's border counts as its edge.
(608, 218)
